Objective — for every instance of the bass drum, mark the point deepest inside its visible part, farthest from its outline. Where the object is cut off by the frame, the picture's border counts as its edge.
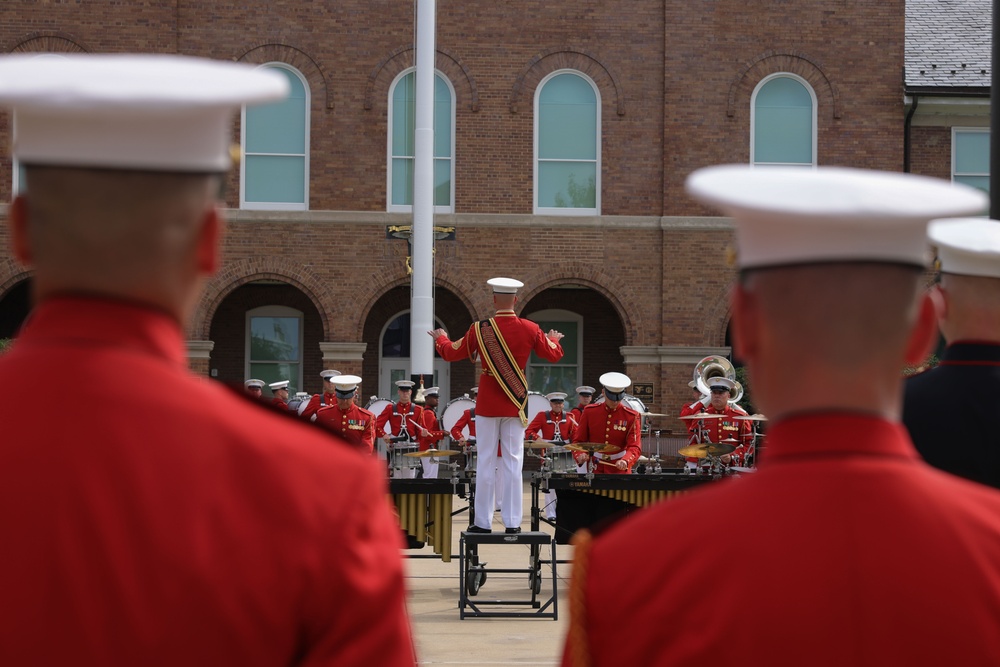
(636, 405)
(453, 412)
(536, 403)
(376, 405)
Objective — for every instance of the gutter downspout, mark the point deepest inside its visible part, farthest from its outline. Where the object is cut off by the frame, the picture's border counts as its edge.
(907, 140)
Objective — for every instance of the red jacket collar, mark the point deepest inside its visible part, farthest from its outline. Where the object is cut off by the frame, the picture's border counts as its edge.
(838, 433)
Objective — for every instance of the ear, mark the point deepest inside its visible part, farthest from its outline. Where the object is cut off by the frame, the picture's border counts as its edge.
(17, 222)
(744, 325)
(209, 241)
(939, 297)
(924, 335)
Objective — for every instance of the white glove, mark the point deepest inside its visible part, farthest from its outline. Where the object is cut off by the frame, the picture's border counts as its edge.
(705, 400)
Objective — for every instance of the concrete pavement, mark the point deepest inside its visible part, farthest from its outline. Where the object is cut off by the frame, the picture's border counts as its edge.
(443, 639)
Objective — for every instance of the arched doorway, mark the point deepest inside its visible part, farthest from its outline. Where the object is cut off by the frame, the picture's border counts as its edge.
(270, 330)
(14, 308)
(387, 335)
(594, 335)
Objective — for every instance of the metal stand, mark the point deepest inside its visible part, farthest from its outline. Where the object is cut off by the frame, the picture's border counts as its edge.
(472, 575)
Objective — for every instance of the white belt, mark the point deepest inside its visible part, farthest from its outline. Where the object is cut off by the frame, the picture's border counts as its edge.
(613, 457)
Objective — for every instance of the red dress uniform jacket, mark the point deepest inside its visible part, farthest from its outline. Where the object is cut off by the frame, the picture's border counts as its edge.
(465, 420)
(356, 425)
(620, 427)
(318, 401)
(278, 403)
(723, 428)
(396, 415)
(428, 419)
(183, 525)
(544, 426)
(522, 337)
(843, 549)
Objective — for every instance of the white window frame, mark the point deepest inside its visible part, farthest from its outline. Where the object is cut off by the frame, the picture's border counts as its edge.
(274, 311)
(753, 122)
(442, 369)
(279, 206)
(552, 210)
(560, 315)
(408, 208)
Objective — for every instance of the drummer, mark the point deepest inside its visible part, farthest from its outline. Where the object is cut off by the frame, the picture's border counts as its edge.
(323, 399)
(611, 423)
(350, 421)
(429, 431)
(555, 426)
(585, 395)
(727, 429)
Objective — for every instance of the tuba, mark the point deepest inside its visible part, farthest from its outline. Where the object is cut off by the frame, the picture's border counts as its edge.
(713, 367)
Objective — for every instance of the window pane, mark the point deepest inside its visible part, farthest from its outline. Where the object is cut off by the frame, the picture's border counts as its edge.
(972, 152)
(402, 181)
(396, 339)
(442, 182)
(567, 184)
(279, 127)
(274, 339)
(442, 118)
(783, 123)
(567, 119)
(546, 379)
(403, 121)
(981, 182)
(569, 342)
(275, 179)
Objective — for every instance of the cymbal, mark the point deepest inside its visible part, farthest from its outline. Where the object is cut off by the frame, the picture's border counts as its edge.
(594, 447)
(757, 417)
(705, 450)
(538, 444)
(701, 415)
(731, 441)
(432, 452)
(653, 414)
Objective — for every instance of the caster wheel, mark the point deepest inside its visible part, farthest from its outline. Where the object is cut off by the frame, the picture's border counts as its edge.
(535, 582)
(474, 581)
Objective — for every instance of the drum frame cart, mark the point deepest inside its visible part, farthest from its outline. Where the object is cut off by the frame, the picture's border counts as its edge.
(472, 574)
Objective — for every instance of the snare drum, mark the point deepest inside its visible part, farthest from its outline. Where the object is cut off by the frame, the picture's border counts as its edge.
(536, 403)
(454, 411)
(560, 459)
(404, 467)
(375, 406)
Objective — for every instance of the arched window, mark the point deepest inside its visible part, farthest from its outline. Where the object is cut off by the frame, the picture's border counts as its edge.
(274, 345)
(402, 124)
(970, 156)
(567, 145)
(275, 142)
(394, 358)
(783, 122)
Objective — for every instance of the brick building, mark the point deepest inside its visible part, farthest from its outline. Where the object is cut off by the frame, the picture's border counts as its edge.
(564, 133)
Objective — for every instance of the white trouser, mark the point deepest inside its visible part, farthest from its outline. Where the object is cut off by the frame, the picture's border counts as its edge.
(506, 483)
(430, 466)
(550, 504)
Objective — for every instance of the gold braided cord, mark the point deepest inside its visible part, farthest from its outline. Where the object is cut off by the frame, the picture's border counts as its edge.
(577, 640)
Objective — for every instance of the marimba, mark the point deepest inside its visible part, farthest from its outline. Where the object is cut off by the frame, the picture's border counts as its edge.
(425, 507)
(583, 501)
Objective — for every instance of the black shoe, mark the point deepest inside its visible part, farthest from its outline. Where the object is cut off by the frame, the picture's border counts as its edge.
(476, 529)
(513, 531)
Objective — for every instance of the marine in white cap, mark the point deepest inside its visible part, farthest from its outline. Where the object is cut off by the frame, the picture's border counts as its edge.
(959, 399)
(585, 394)
(280, 394)
(344, 417)
(398, 423)
(556, 426)
(503, 344)
(725, 425)
(323, 399)
(254, 387)
(828, 308)
(119, 222)
(614, 424)
(429, 431)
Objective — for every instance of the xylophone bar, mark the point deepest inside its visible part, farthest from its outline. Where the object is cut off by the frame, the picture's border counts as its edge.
(424, 509)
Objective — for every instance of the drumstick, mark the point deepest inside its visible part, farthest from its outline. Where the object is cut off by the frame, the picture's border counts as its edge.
(608, 463)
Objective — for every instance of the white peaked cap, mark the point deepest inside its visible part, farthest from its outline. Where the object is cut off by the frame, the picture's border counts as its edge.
(346, 382)
(793, 215)
(723, 382)
(556, 396)
(283, 384)
(326, 375)
(126, 111)
(615, 382)
(505, 285)
(432, 391)
(259, 384)
(967, 246)
(585, 389)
